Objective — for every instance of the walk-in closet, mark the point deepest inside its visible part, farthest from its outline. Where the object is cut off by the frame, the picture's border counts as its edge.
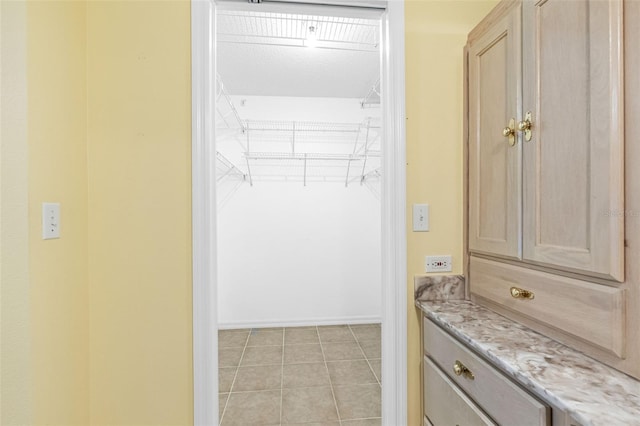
(298, 172)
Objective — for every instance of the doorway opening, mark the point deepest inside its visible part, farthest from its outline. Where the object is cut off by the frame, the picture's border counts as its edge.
(298, 169)
(303, 162)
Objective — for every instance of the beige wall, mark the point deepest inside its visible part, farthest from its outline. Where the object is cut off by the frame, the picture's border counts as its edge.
(16, 405)
(436, 32)
(139, 162)
(45, 357)
(57, 172)
(122, 174)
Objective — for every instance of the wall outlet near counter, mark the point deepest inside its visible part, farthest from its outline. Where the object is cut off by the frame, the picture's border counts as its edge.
(438, 263)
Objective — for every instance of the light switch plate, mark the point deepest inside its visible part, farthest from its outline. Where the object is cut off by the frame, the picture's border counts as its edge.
(50, 221)
(420, 217)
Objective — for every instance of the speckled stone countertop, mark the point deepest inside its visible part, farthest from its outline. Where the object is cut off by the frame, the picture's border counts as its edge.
(591, 392)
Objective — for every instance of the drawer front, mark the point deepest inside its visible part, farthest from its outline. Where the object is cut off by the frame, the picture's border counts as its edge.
(498, 396)
(592, 312)
(445, 404)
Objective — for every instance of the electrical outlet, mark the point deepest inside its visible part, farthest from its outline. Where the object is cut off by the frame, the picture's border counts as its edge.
(438, 263)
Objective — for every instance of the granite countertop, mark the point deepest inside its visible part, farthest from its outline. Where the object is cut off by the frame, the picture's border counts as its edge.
(591, 392)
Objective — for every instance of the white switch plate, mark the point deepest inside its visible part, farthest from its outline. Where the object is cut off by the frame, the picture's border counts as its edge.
(438, 263)
(50, 221)
(420, 217)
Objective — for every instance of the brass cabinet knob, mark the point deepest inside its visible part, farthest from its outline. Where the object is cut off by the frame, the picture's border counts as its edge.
(526, 125)
(519, 293)
(510, 132)
(460, 369)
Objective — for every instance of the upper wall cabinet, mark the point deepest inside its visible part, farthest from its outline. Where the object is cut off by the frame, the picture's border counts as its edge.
(546, 135)
(573, 163)
(495, 157)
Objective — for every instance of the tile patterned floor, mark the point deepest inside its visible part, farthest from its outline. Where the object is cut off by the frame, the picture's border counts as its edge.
(311, 376)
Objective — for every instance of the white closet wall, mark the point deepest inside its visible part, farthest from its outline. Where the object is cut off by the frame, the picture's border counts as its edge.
(291, 254)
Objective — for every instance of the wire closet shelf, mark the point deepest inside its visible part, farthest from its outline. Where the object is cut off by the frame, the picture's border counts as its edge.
(312, 151)
(299, 151)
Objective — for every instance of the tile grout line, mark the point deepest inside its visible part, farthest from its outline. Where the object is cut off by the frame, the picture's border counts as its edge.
(284, 331)
(365, 357)
(296, 388)
(244, 348)
(333, 393)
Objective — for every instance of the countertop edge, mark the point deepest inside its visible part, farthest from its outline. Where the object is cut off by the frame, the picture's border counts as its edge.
(522, 377)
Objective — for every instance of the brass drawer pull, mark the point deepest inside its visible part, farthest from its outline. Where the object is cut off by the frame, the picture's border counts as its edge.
(519, 293)
(461, 370)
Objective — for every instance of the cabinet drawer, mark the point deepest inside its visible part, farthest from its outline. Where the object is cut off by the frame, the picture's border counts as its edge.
(498, 396)
(592, 312)
(445, 404)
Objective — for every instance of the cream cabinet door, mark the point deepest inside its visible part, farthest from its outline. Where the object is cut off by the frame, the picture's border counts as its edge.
(494, 162)
(573, 165)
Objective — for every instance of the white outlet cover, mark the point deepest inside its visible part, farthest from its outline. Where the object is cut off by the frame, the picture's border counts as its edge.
(438, 263)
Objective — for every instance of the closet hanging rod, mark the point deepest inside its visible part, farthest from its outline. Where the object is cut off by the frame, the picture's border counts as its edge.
(306, 126)
(302, 130)
(328, 46)
(302, 157)
(304, 18)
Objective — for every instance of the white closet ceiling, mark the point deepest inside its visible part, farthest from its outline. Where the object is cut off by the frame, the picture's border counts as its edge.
(266, 52)
(283, 54)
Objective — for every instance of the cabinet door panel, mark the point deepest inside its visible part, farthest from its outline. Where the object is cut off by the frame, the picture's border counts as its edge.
(573, 165)
(494, 165)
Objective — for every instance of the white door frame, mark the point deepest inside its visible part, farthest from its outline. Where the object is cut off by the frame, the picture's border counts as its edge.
(394, 256)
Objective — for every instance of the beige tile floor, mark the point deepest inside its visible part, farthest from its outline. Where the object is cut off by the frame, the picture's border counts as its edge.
(312, 376)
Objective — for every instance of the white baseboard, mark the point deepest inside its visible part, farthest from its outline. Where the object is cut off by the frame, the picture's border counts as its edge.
(224, 325)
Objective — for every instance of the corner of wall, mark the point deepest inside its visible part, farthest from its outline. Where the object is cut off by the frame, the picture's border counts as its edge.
(435, 35)
(57, 172)
(16, 404)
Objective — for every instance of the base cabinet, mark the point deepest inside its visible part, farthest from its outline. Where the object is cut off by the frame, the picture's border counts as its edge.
(463, 388)
(460, 388)
(446, 404)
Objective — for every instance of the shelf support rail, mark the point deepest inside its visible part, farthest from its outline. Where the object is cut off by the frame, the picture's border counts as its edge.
(231, 168)
(223, 93)
(366, 150)
(375, 90)
(305, 171)
(293, 139)
(355, 149)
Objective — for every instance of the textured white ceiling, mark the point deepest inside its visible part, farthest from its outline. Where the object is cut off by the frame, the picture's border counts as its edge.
(262, 54)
